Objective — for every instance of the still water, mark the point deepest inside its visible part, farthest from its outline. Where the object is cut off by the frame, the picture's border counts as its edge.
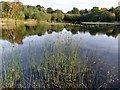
(92, 41)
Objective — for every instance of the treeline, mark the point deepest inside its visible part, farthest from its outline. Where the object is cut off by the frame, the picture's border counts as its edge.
(94, 15)
(17, 10)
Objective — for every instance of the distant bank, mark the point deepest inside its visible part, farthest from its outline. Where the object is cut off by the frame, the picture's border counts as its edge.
(101, 23)
(6, 23)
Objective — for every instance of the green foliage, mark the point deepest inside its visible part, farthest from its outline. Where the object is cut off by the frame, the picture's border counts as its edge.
(4, 14)
(72, 17)
(20, 15)
(107, 17)
(24, 12)
(47, 17)
(112, 9)
(27, 15)
(58, 27)
(84, 11)
(36, 16)
(42, 27)
(5, 9)
(74, 11)
(60, 16)
(41, 8)
(103, 16)
(57, 16)
(20, 11)
(54, 16)
(90, 17)
(117, 14)
(38, 7)
(49, 10)
(57, 10)
(95, 9)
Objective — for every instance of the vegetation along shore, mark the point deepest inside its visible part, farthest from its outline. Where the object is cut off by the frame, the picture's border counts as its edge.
(18, 11)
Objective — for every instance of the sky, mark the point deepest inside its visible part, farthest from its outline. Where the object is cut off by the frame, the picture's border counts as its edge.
(67, 5)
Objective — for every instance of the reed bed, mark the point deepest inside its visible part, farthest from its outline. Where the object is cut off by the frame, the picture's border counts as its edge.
(59, 68)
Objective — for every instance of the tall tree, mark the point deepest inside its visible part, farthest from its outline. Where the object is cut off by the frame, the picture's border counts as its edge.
(49, 10)
(54, 16)
(75, 11)
(95, 9)
(84, 11)
(13, 10)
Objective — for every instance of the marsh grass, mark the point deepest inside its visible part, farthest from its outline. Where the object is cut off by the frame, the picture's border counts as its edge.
(61, 67)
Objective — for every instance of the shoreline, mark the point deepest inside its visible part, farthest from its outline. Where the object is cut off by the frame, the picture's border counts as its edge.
(7, 23)
(101, 23)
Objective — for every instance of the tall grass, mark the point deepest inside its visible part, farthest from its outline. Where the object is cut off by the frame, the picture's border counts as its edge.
(61, 67)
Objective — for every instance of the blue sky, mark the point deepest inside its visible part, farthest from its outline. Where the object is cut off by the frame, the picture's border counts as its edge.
(66, 5)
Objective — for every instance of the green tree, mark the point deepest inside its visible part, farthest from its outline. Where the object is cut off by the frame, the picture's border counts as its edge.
(41, 8)
(72, 17)
(36, 16)
(49, 10)
(54, 16)
(27, 15)
(48, 17)
(14, 8)
(107, 17)
(69, 12)
(117, 13)
(95, 9)
(84, 11)
(20, 15)
(112, 9)
(75, 11)
(57, 10)
(5, 8)
(60, 16)
(91, 17)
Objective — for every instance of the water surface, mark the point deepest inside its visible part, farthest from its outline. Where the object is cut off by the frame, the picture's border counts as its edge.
(92, 41)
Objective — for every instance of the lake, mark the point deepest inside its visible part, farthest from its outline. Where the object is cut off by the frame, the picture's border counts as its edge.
(92, 43)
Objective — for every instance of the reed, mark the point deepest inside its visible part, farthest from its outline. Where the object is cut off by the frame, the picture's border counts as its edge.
(60, 68)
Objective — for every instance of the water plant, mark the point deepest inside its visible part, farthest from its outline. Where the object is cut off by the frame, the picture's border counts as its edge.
(59, 68)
